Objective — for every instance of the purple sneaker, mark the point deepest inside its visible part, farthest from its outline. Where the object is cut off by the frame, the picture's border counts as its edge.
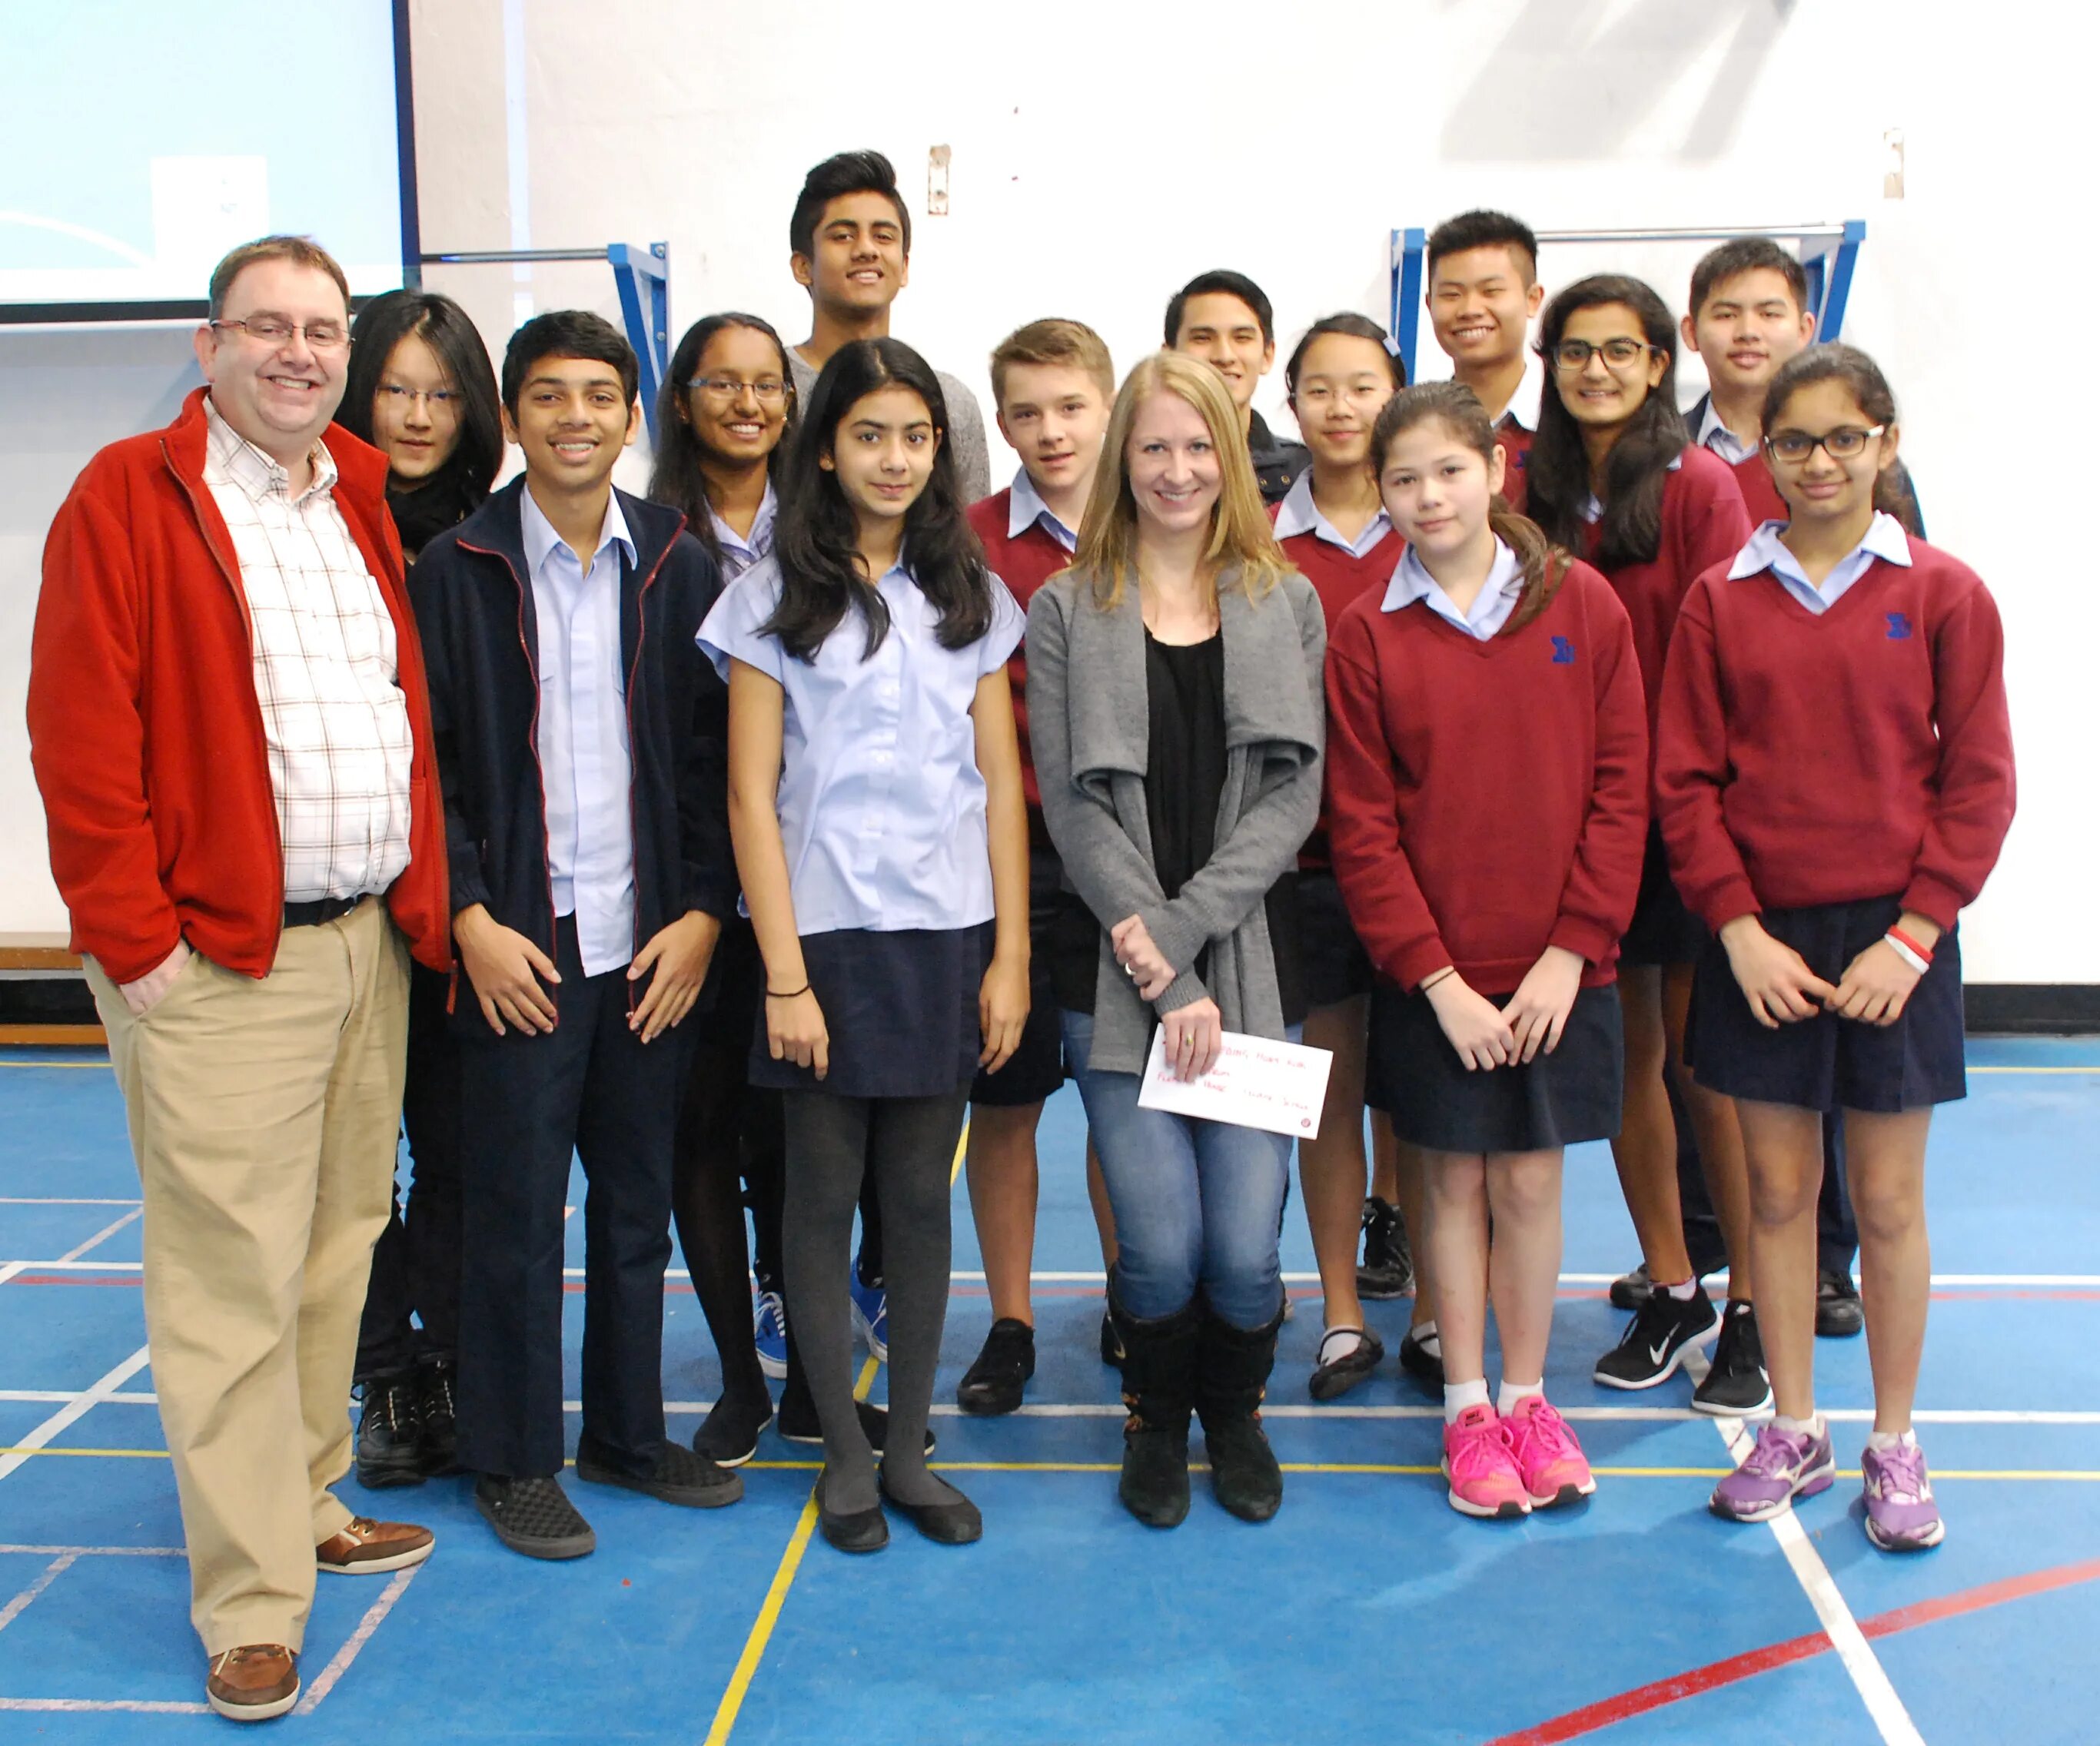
(1783, 1465)
(1901, 1516)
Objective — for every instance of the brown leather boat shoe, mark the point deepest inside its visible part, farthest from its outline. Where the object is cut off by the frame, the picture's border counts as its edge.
(254, 1683)
(366, 1547)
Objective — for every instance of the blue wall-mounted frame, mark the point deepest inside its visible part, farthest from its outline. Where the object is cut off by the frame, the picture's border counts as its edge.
(1828, 251)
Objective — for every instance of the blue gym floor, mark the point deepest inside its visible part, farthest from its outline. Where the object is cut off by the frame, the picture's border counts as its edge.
(1367, 1611)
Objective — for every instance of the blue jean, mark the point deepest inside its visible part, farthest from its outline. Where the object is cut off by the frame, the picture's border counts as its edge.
(1198, 1204)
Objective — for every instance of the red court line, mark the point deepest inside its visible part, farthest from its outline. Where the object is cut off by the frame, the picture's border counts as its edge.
(1642, 1699)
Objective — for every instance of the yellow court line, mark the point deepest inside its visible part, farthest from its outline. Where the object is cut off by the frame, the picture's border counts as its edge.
(62, 1066)
(962, 1151)
(776, 1597)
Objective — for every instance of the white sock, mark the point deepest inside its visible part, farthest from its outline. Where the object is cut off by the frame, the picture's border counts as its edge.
(1685, 1290)
(1425, 1337)
(1800, 1427)
(1512, 1392)
(1458, 1396)
(1881, 1442)
(1338, 1344)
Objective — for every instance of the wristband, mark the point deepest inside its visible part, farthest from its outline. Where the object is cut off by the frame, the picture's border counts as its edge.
(1906, 951)
(1444, 974)
(791, 994)
(1910, 940)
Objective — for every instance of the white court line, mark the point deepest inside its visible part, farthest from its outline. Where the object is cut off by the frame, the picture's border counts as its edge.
(103, 1706)
(78, 1249)
(1869, 1678)
(121, 1397)
(1593, 1415)
(78, 1407)
(57, 1200)
(51, 1572)
(94, 1551)
(359, 1638)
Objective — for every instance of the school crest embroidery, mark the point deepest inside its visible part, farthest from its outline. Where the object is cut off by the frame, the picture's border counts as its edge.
(1564, 651)
(1899, 626)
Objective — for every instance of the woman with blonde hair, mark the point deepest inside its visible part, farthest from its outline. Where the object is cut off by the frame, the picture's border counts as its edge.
(1174, 705)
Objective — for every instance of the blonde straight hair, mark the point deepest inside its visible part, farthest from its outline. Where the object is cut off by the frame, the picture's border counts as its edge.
(1241, 538)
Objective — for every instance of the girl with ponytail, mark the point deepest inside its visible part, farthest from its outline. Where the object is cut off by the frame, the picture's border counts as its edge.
(1487, 799)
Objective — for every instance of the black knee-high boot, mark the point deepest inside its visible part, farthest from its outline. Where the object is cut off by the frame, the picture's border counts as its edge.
(1232, 1375)
(1158, 1384)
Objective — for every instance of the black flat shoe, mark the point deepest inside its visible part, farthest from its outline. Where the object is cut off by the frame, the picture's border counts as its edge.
(677, 1476)
(533, 1516)
(1839, 1313)
(873, 1425)
(1423, 1359)
(856, 1531)
(994, 1383)
(952, 1524)
(728, 1435)
(1333, 1378)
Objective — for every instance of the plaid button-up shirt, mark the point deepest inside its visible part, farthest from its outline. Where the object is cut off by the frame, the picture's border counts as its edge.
(333, 717)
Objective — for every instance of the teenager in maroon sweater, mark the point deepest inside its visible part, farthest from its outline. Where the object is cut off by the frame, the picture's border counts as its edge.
(1835, 778)
(1052, 383)
(1334, 528)
(1612, 477)
(1483, 294)
(1487, 794)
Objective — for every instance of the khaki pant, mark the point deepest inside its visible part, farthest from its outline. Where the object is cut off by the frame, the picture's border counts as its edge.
(263, 1118)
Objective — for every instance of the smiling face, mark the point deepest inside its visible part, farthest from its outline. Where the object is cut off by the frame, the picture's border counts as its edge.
(1822, 487)
(279, 395)
(1221, 330)
(883, 453)
(1055, 415)
(1171, 462)
(1437, 489)
(415, 411)
(744, 426)
(1603, 395)
(1481, 301)
(860, 264)
(572, 419)
(1748, 327)
(1342, 380)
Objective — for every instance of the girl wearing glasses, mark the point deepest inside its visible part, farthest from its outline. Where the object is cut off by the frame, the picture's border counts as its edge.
(419, 388)
(1835, 779)
(1611, 477)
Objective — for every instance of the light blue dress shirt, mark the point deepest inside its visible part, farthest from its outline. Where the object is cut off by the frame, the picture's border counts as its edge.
(1715, 435)
(1492, 606)
(1885, 539)
(583, 752)
(1025, 508)
(741, 552)
(882, 810)
(1299, 513)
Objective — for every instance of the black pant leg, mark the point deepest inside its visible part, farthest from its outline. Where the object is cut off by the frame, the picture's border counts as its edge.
(1837, 1233)
(520, 1097)
(385, 1336)
(430, 1110)
(707, 1208)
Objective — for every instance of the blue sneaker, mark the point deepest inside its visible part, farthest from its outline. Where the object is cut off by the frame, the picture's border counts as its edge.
(870, 1315)
(769, 1334)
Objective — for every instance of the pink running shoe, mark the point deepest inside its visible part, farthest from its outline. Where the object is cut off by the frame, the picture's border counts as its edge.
(1478, 1462)
(1552, 1463)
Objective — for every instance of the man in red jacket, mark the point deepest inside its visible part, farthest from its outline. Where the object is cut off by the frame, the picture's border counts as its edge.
(229, 726)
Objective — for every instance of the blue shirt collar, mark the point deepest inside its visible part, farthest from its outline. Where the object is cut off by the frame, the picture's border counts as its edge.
(756, 544)
(1716, 436)
(1025, 509)
(1492, 606)
(1885, 539)
(1299, 513)
(540, 538)
(1593, 511)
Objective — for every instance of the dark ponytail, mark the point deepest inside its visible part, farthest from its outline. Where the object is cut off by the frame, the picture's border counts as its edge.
(1863, 379)
(1458, 409)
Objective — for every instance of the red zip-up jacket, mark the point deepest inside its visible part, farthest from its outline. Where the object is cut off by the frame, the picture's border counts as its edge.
(145, 731)
(1807, 758)
(1488, 799)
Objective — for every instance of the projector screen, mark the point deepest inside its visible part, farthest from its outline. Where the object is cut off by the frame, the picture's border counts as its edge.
(164, 133)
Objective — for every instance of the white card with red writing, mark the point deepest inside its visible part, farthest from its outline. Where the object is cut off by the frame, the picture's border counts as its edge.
(1254, 1083)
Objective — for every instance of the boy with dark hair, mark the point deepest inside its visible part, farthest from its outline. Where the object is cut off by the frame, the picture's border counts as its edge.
(849, 242)
(1225, 319)
(582, 746)
(1483, 292)
(1052, 384)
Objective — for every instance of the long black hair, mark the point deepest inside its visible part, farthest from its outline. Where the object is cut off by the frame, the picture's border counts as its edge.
(675, 478)
(1356, 327)
(817, 546)
(1863, 380)
(1557, 470)
(461, 485)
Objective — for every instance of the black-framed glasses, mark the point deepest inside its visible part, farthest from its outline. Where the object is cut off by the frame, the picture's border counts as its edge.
(400, 396)
(1846, 443)
(767, 388)
(274, 330)
(1573, 356)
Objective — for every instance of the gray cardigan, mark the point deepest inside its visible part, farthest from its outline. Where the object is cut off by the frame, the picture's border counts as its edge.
(1088, 727)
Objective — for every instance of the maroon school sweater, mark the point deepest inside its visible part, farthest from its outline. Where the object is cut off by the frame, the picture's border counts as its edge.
(1024, 565)
(1514, 442)
(1488, 800)
(1866, 752)
(1761, 497)
(1339, 579)
(1704, 523)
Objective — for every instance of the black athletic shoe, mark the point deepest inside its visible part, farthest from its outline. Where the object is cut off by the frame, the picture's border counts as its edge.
(390, 1433)
(1657, 1339)
(676, 1475)
(433, 1383)
(1387, 1270)
(1423, 1359)
(874, 1424)
(994, 1383)
(534, 1517)
(1839, 1313)
(1630, 1290)
(1736, 1382)
(728, 1435)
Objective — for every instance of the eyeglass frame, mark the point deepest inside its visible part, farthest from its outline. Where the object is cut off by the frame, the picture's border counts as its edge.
(1815, 442)
(713, 385)
(1647, 350)
(435, 399)
(245, 324)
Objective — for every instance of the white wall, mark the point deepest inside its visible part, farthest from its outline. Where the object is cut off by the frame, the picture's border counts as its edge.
(1102, 153)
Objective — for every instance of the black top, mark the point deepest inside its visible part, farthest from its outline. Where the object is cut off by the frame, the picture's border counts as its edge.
(1184, 775)
(1277, 462)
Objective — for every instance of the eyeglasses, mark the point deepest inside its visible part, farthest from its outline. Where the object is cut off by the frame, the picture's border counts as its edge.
(766, 388)
(1573, 356)
(400, 396)
(1795, 447)
(1321, 394)
(274, 330)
